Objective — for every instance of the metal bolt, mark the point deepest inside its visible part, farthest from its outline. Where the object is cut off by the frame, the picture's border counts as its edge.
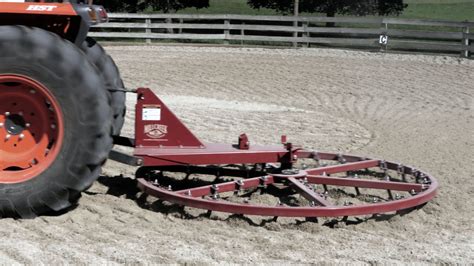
(239, 184)
(8, 136)
(1, 125)
(415, 173)
(341, 158)
(27, 124)
(32, 91)
(20, 113)
(170, 188)
(356, 176)
(53, 126)
(21, 136)
(214, 190)
(7, 113)
(400, 169)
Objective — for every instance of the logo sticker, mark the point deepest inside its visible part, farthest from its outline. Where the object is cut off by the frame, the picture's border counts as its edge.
(41, 8)
(156, 131)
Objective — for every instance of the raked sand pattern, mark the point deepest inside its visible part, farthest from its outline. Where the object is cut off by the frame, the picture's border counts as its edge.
(414, 109)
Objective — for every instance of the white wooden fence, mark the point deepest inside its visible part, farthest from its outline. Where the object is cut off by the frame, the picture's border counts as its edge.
(376, 34)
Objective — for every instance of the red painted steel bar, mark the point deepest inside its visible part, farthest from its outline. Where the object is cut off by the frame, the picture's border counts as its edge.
(327, 156)
(308, 193)
(210, 154)
(364, 183)
(286, 211)
(332, 169)
(227, 186)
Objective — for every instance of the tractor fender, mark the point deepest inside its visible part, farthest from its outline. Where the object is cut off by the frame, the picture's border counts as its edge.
(70, 21)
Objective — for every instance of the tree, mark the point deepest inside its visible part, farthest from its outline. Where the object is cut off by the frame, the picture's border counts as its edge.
(167, 6)
(174, 5)
(333, 7)
(130, 6)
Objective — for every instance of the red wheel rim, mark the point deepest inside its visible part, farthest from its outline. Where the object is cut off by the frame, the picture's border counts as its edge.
(31, 128)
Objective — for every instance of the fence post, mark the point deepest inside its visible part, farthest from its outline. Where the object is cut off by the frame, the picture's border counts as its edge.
(296, 13)
(465, 42)
(181, 25)
(305, 34)
(384, 46)
(148, 29)
(226, 31)
(169, 21)
(295, 33)
(242, 33)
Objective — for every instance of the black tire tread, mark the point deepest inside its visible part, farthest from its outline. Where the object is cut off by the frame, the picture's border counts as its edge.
(79, 162)
(96, 54)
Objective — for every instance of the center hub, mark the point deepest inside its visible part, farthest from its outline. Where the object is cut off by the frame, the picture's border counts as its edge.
(15, 124)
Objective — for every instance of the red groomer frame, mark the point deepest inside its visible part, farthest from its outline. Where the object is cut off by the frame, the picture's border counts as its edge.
(303, 183)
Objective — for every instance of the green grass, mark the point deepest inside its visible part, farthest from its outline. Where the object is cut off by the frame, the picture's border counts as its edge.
(448, 11)
(458, 10)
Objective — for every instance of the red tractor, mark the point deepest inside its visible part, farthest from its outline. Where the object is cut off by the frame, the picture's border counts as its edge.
(62, 106)
(61, 101)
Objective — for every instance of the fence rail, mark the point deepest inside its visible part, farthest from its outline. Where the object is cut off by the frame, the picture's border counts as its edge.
(376, 34)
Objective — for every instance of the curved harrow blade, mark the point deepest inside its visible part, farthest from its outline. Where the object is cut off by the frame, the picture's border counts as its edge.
(335, 185)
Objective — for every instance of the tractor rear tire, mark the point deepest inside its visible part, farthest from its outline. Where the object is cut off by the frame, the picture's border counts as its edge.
(111, 76)
(55, 122)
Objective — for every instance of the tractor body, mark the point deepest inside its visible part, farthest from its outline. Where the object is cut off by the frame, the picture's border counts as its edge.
(70, 21)
(61, 102)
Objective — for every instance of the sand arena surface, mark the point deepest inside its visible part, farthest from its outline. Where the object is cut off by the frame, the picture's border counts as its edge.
(413, 109)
